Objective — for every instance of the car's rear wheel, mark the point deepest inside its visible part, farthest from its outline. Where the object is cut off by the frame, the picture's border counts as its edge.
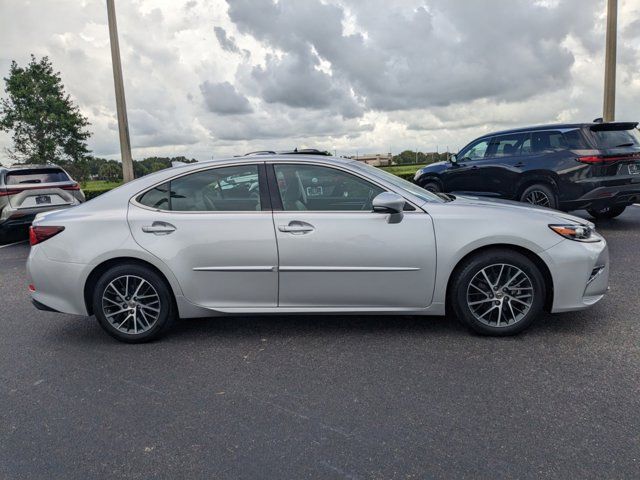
(432, 187)
(606, 212)
(133, 303)
(540, 194)
(497, 292)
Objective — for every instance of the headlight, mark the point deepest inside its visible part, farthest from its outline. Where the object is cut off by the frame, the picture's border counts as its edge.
(579, 233)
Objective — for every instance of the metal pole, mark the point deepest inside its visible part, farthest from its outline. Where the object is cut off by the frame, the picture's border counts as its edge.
(121, 106)
(609, 108)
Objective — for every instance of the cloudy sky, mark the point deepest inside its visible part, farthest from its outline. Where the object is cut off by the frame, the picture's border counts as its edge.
(209, 78)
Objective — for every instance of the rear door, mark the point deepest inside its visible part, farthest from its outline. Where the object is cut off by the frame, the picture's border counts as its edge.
(214, 229)
(504, 162)
(336, 252)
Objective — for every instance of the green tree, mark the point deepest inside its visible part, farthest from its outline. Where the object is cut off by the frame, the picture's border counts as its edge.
(47, 126)
(110, 171)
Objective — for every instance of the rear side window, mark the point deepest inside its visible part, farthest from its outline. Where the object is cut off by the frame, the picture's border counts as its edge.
(225, 189)
(36, 175)
(553, 141)
(617, 138)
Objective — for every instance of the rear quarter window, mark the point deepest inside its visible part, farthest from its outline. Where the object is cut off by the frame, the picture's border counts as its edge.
(40, 175)
(616, 138)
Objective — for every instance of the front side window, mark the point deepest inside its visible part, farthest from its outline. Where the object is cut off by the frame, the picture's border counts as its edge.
(225, 189)
(316, 188)
(475, 151)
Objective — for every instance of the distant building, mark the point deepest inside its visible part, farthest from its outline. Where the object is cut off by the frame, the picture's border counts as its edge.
(375, 159)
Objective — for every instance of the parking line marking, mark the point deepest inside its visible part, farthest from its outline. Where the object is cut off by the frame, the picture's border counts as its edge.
(14, 243)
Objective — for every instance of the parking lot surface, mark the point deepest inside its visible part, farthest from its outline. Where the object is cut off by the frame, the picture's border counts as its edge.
(325, 396)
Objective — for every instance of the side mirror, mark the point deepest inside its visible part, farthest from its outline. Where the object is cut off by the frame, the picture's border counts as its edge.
(392, 203)
(453, 158)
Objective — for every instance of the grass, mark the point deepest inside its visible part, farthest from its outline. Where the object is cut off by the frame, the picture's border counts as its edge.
(403, 170)
(96, 185)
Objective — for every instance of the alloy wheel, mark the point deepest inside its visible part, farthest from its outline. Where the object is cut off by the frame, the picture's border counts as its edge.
(538, 197)
(131, 304)
(500, 295)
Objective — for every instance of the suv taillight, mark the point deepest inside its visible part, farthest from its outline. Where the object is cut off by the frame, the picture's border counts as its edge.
(40, 234)
(599, 159)
(75, 186)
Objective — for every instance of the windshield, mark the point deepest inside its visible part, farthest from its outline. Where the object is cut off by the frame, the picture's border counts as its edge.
(400, 183)
(617, 138)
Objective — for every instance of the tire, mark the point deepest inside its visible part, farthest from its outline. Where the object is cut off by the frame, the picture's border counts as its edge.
(474, 308)
(109, 301)
(540, 194)
(432, 187)
(606, 212)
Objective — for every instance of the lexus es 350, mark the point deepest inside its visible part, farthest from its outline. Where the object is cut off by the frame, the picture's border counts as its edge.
(276, 234)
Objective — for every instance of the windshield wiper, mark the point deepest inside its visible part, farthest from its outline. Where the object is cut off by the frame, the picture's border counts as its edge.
(630, 144)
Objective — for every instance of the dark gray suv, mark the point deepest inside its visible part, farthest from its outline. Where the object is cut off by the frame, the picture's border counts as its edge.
(27, 190)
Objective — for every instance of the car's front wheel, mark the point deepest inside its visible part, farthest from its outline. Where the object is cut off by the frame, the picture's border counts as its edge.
(497, 292)
(606, 212)
(133, 303)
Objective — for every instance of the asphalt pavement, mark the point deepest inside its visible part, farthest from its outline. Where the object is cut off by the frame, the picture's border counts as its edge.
(325, 397)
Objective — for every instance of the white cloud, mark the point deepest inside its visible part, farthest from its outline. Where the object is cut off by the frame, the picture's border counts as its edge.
(207, 78)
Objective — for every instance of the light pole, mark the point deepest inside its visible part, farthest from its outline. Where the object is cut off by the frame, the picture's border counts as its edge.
(121, 106)
(609, 107)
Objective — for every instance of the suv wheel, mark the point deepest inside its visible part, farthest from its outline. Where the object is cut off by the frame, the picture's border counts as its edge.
(497, 292)
(540, 194)
(432, 187)
(133, 304)
(606, 212)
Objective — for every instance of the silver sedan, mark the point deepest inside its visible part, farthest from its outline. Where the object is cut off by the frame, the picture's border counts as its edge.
(272, 234)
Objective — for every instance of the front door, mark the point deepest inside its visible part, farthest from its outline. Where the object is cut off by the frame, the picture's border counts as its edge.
(465, 175)
(336, 252)
(214, 230)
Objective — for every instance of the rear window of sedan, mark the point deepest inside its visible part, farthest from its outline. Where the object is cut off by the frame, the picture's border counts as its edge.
(39, 175)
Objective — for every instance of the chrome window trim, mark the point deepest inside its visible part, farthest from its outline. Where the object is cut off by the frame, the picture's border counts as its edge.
(134, 198)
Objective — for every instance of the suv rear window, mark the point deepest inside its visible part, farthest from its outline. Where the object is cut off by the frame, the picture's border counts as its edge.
(617, 138)
(36, 175)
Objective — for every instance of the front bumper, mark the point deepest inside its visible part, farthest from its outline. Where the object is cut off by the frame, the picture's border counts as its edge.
(580, 273)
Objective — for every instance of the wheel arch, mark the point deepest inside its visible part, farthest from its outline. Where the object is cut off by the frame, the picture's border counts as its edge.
(99, 269)
(430, 177)
(535, 178)
(536, 259)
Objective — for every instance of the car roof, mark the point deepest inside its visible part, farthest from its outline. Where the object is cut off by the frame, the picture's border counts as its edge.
(29, 166)
(551, 126)
(272, 157)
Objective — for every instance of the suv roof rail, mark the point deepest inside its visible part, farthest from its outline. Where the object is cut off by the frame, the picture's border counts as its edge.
(295, 151)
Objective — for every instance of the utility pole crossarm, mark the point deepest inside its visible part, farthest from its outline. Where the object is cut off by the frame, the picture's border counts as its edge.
(121, 106)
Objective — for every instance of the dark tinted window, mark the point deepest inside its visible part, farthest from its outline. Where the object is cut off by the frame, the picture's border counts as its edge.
(475, 151)
(226, 189)
(157, 197)
(311, 187)
(36, 175)
(617, 138)
(507, 145)
(553, 141)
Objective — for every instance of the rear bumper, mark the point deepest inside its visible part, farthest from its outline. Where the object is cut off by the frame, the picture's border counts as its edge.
(11, 217)
(606, 196)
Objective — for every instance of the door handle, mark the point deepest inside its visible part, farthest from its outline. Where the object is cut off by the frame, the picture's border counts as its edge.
(296, 227)
(519, 164)
(475, 167)
(159, 228)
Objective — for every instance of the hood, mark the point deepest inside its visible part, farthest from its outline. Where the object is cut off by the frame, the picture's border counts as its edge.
(522, 207)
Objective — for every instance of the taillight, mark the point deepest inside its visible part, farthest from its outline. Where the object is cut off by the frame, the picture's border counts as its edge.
(40, 234)
(6, 193)
(75, 186)
(603, 159)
